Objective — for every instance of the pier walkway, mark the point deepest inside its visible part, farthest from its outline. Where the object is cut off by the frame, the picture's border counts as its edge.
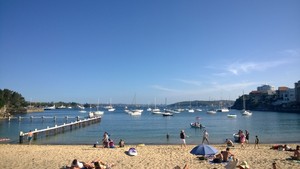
(59, 128)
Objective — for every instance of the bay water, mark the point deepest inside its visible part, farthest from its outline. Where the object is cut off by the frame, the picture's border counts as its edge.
(270, 127)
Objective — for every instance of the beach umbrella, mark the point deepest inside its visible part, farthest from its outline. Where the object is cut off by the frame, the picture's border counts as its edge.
(204, 149)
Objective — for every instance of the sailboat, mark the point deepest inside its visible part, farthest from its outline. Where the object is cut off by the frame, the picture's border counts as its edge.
(221, 108)
(110, 107)
(136, 111)
(97, 112)
(190, 110)
(156, 110)
(244, 111)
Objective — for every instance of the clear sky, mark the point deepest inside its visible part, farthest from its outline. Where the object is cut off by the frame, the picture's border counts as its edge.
(174, 50)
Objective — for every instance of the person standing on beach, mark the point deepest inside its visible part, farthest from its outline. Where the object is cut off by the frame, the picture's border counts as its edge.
(242, 140)
(105, 140)
(256, 142)
(182, 137)
(247, 136)
(29, 137)
(205, 137)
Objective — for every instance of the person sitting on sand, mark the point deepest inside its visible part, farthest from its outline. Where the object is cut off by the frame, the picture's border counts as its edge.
(111, 143)
(227, 154)
(121, 143)
(218, 158)
(229, 143)
(296, 154)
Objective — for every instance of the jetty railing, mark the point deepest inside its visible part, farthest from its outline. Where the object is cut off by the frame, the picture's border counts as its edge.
(59, 128)
(43, 118)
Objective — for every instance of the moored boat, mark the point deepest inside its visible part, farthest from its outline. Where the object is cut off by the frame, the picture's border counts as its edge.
(50, 107)
(167, 114)
(246, 113)
(211, 112)
(231, 115)
(224, 110)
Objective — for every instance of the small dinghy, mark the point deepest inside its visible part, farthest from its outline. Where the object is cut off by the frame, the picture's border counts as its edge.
(132, 152)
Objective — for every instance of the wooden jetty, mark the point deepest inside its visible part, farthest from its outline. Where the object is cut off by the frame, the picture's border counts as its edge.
(20, 118)
(59, 128)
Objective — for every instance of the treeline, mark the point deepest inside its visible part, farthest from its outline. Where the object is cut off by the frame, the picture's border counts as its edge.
(11, 101)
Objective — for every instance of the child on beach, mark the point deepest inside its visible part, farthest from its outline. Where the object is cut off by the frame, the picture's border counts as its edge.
(256, 142)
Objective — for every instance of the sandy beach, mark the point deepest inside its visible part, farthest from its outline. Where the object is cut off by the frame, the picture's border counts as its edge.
(149, 156)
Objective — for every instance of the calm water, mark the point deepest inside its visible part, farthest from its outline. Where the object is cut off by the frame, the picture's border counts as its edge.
(271, 127)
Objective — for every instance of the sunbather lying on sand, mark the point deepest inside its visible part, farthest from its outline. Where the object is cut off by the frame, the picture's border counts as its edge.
(95, 164)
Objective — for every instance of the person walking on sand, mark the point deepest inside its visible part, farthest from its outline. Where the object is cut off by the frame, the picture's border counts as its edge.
(256, 142)
(205, 137)
(247, 136)
(242, 140)
(182, 137)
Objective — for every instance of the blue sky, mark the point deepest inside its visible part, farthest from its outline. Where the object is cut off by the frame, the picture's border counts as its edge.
(177, 50)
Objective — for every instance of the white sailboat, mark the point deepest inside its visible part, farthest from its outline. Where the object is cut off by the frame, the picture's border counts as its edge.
(156, 110)
(190, 110)
(136, 111)
(110, 108)
(98, 112)
(244, 111)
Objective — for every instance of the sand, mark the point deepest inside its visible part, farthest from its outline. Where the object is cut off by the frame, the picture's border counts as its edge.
(149, 156)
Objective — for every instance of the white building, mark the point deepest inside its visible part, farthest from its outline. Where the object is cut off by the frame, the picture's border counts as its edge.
(266, 89)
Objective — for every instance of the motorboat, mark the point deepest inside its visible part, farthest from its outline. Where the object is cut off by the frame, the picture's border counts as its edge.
(50, 107)
(136, 112)
(236, 137)
(196, 125)
(191, 110)
(167, 114)
(111, 109)
(211, 112)
(61, 107)
(231, 115)
(224, 110)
